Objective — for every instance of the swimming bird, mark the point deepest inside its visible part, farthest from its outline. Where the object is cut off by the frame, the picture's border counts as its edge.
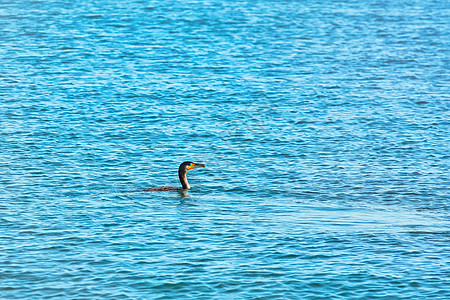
(182, 171)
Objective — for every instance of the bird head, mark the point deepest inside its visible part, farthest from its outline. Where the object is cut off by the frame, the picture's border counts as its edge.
(190, 165)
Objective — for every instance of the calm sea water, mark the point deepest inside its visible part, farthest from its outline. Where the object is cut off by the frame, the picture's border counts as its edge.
(324, 126)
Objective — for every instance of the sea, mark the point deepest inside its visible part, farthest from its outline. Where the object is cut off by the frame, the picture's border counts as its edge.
(324, 127)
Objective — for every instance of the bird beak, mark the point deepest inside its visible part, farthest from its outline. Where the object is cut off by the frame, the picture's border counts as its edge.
(195, 166)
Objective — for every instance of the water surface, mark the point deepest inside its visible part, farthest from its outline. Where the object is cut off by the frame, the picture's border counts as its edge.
(324, 127)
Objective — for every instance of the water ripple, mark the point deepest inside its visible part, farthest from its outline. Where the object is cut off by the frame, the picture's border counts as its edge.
(324, 127)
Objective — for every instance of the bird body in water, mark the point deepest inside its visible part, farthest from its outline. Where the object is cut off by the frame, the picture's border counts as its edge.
(182, 171)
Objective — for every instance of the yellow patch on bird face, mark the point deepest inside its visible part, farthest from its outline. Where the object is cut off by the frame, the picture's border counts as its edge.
(191, 166)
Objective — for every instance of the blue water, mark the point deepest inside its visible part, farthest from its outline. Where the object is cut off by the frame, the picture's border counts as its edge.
(324, 126)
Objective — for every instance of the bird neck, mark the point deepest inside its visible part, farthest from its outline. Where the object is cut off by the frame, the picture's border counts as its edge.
(183, 179)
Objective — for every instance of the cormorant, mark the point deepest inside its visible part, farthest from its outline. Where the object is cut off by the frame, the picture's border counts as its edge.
(182, 170)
